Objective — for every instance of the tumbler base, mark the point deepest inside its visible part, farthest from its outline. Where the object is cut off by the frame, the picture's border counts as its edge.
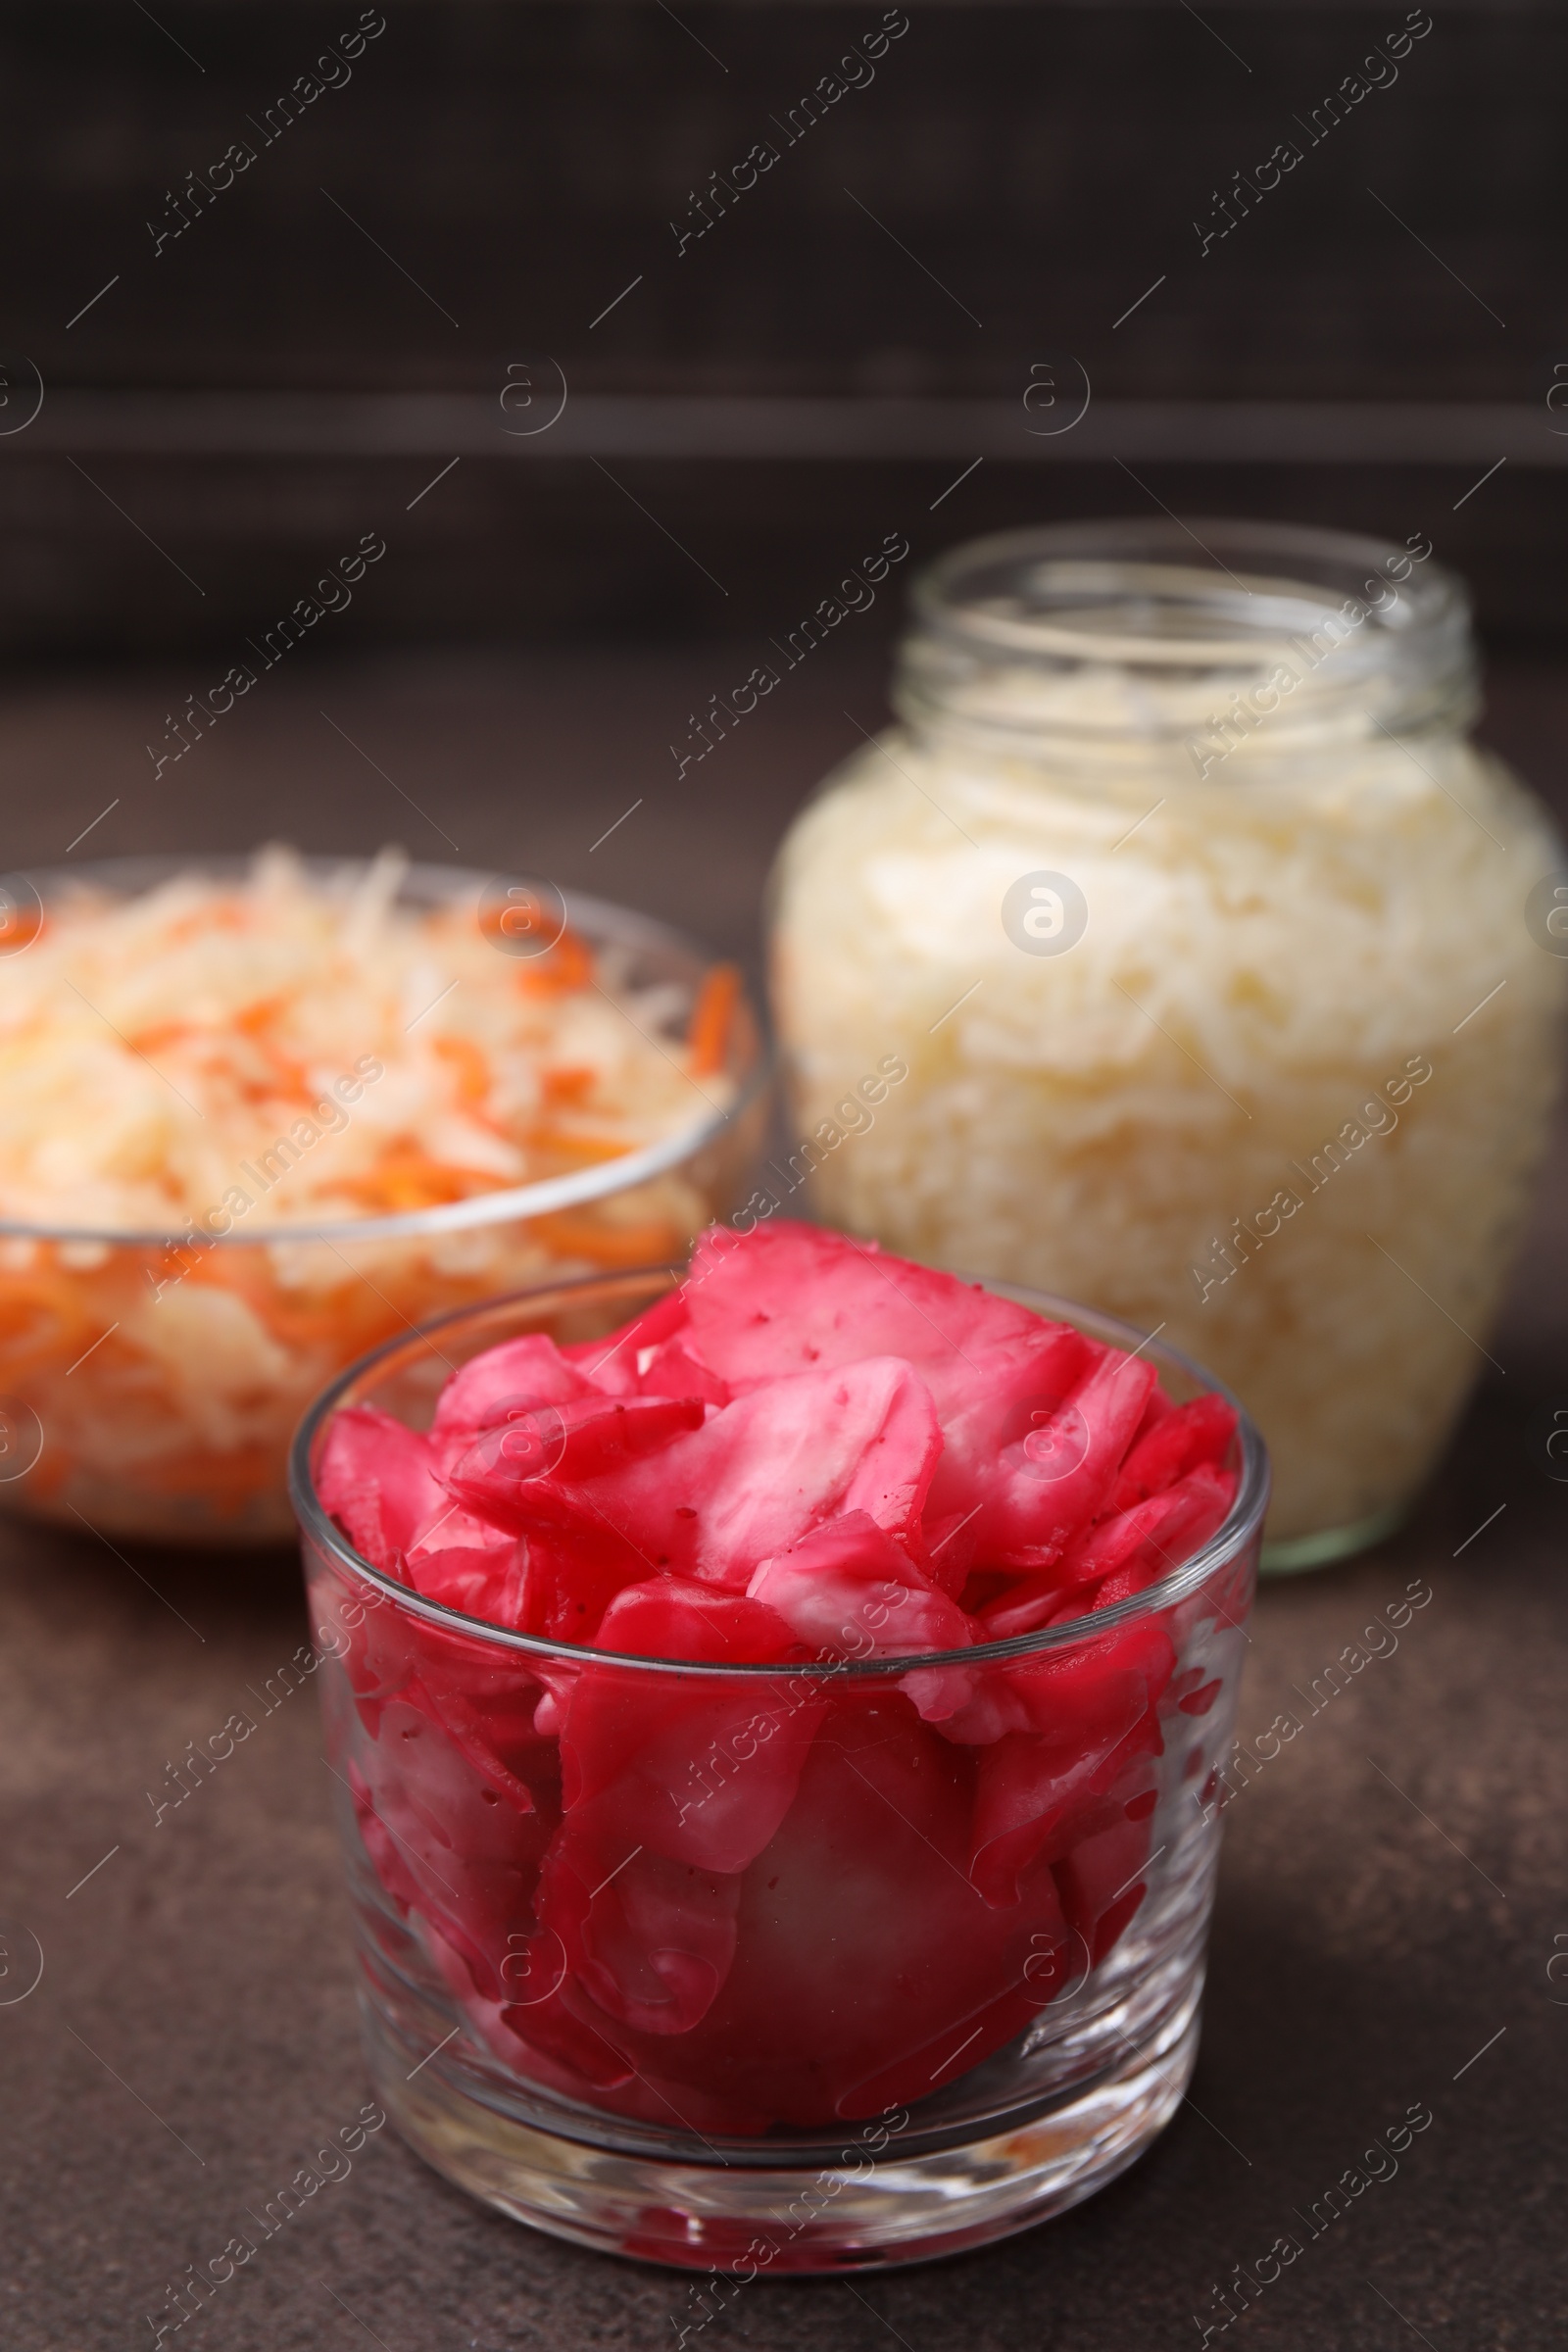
(1328, 1543)
(757, 2217)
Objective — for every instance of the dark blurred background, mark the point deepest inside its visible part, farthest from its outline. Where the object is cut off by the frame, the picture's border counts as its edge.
(336, 326)
(291, 275)
(366, 334)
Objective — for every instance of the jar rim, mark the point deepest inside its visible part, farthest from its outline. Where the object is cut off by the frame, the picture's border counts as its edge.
(1307, 572)
(1240, 1525)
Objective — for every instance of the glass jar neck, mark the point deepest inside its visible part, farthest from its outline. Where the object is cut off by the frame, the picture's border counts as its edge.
(1090, 643)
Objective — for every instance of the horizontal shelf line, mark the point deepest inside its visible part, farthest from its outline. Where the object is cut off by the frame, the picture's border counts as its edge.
(196, 425)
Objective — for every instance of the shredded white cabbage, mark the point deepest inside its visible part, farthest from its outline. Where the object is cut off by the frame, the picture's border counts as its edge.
(153, 1051)
(1263, 951)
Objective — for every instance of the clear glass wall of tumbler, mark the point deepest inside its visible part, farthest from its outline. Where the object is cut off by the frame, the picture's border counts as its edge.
(767, 1969)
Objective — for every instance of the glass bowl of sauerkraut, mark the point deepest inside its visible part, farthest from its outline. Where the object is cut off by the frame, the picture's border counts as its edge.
(261, 1115)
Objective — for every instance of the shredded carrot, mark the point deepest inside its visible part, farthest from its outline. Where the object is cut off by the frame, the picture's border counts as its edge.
(568, 1084)
(572, 1234)
(408, 1179)
(575, 1150)
(161, 1033)
(707, 1044)
(43, 1314)
(20, 926)
(350, 1317)
(286, 1073)
(471, 1065)
(260, 1015)
(290, 1072)
(566, 966)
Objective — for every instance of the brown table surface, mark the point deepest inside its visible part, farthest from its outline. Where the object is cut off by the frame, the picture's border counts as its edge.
(1393, 1889)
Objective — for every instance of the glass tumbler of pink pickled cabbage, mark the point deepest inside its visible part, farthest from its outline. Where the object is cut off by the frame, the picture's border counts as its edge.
(958, 1980)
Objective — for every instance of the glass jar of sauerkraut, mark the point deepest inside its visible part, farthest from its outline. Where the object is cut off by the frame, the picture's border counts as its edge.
(1198, 926)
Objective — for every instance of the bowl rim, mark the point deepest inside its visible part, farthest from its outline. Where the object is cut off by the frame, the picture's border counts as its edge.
(1242, 1523)
(424, 882)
